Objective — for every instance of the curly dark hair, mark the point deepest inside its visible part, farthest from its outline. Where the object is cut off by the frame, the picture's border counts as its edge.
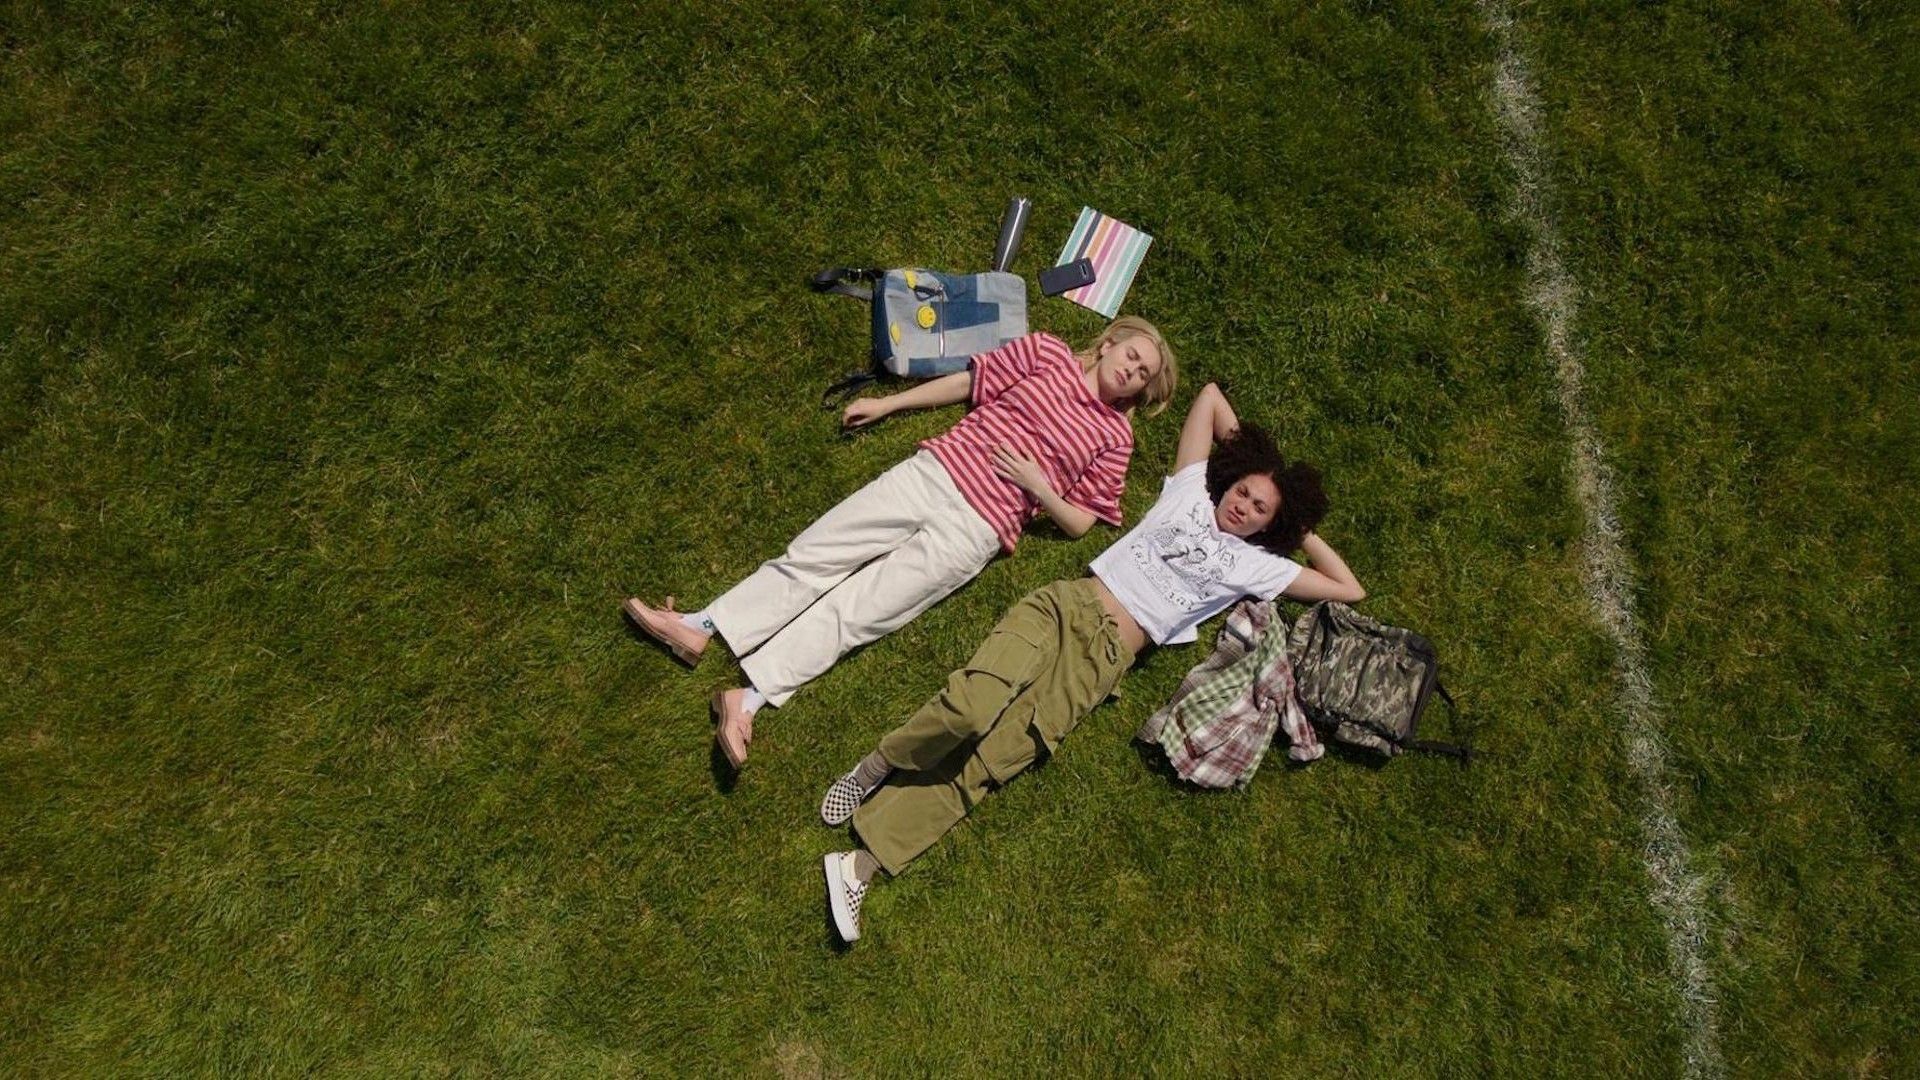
(1251, 452)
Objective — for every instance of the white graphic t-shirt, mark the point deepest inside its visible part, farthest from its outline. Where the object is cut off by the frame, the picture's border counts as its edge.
(1176, 568)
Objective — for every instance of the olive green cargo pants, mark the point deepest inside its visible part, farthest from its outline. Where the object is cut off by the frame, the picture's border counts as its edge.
(1053, 657)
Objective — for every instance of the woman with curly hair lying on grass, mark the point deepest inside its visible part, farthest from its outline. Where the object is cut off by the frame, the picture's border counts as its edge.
(1049, 429)
(1222, 529)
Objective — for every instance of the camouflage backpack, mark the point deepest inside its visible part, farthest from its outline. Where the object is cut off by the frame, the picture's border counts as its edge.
(1364, 683)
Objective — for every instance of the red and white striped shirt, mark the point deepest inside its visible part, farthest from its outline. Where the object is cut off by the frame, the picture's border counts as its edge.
(1031, 395)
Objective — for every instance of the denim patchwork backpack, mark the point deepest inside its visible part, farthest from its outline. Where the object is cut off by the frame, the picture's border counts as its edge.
(927, 323)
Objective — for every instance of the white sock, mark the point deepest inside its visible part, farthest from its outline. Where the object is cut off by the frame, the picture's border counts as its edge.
(698, 620)
(752, 700)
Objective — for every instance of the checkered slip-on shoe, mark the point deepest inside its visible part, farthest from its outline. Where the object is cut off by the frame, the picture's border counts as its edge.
(844, 894)
(844, 797)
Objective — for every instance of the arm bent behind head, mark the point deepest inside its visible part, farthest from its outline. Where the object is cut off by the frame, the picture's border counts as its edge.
(1327, 579)
(1209, 420)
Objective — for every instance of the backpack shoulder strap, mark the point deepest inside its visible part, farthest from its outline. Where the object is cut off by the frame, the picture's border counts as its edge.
(843, 279)
(845, 388)
(1462, 753)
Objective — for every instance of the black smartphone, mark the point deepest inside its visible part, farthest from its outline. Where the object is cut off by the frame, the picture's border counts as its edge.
(1058, 279)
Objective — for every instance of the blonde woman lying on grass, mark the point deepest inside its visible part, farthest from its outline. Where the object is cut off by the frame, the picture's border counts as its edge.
(1050, 429)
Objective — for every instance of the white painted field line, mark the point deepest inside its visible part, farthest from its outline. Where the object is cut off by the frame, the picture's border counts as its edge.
(1678, 893)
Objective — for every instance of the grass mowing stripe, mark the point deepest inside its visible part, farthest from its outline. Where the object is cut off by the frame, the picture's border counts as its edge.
(1678, 892)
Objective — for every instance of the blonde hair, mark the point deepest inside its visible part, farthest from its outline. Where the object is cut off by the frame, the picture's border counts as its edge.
(1159, 390)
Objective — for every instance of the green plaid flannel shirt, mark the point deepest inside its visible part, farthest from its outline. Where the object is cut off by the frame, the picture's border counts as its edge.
(1220, 722)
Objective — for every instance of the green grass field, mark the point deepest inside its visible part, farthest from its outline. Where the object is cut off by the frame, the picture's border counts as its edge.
(356, 360)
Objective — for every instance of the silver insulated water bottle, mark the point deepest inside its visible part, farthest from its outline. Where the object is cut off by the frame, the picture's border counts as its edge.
(1013, 224)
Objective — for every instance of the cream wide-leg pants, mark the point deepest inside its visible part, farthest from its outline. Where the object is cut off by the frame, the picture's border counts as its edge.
(887, 553)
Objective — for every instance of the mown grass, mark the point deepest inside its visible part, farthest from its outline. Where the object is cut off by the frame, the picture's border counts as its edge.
(356, 363)
(1739, 192)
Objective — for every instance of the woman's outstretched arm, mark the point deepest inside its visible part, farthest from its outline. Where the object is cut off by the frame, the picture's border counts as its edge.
(1209, 420)
(1327, 579)
(945, 390)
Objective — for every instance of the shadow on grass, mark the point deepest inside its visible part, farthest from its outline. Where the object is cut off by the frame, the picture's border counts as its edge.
(725, 776)
(833, 942)
(1156, 763)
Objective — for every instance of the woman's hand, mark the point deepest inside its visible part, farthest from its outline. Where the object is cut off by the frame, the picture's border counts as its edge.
(1327, 579)
(945, 390)
(1022, 472)
(1025, 473)
(863, 412)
